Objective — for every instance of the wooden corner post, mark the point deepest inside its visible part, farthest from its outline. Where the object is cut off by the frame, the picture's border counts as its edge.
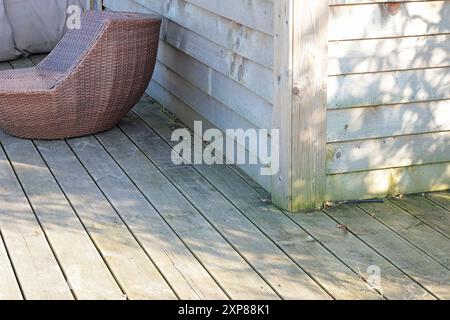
(300, 103)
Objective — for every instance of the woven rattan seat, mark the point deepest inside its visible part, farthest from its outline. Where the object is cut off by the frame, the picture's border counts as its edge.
(93, 77)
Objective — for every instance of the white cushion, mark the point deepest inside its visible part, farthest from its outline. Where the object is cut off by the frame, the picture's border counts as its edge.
(7, 47)
(37, 25)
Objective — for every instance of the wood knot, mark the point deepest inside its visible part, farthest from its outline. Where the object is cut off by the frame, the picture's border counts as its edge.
(392, 7)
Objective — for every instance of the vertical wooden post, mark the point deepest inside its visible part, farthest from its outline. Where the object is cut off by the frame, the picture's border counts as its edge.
(300, 71)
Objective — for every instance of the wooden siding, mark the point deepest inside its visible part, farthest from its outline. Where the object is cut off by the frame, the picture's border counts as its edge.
(212, 63)
(388, 84)
(388, 98)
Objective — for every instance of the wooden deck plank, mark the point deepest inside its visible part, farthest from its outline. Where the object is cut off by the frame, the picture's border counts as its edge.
(339, 280)
(394, 289)
(135, 272)
(426, 211)
(37, 269)
(9, 287)
(37, 58)
(5, 66)
(289, 280)
(164, 123)
(395, 285)
(423, 269)
(181, 269)
(440, 198)
(28, 238)
(235, 276)
(412, 229)
(23, 62)
(83, 266)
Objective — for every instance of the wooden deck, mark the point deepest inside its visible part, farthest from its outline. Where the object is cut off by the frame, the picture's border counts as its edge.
(110, 217)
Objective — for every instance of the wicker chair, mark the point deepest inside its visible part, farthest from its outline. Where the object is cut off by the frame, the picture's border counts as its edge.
(93, 77)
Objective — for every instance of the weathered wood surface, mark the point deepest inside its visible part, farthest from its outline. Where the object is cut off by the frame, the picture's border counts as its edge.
(33, 260)
(83, 265)
(133, 270)
(221, 116)
(111, 179)
(412, 229)
(240, 39)
(408, 240)
(367, 55)
(213, 64)
(392, 152)
(236, 277)
(257, 210)
(427, 212)
(10, 289)
(254, 14)
(388, 77)
(413, 18)
(339, 281)
(300, 103)
(255, 247)
(402, 119)
(217, 85)
(251, 75)
(388, 54)
(188, 116)
(388, 91)
(357, 254)
(206, 106)
(371, 89)
(182, 270)
(388, 182)
(5, 66)
(204, 48)
(440, 198)
(433, 276)
(375, 20)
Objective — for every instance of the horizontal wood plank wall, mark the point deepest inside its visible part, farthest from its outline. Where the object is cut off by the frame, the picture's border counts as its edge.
(388, 88)
(388, 98)
(215, 61)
